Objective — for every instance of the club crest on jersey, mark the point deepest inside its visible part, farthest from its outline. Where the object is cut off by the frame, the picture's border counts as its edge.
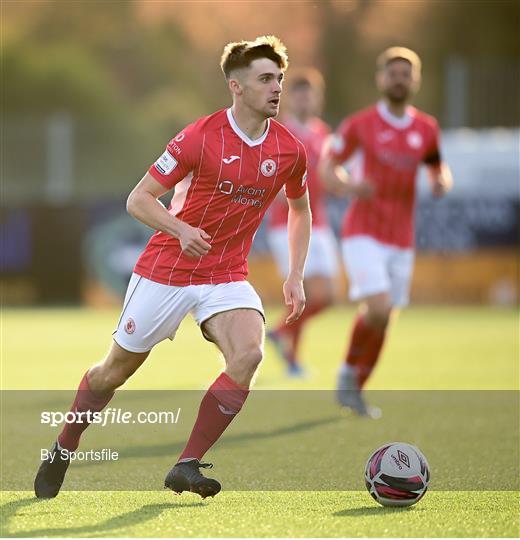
(414, 139)
(268, 167)
(130, 326)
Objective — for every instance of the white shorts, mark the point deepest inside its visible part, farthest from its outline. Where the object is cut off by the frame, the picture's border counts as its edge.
(373, 268)
(322, 259)
(152, 311)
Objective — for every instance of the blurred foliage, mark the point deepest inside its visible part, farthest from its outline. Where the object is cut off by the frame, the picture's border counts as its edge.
(158, 61)
(132, 73)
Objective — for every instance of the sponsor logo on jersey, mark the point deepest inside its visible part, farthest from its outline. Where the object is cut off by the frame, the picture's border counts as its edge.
(245, 195)
(385, 136)
(226, 187)
(130, 326)
(175, 147)
(166, 163)
(180, 137)
(230, 159)
(268, 167)
(414, 140)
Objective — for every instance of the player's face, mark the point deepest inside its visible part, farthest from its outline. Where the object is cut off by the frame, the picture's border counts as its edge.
(261, 86)
(303, 102)
(397, 81)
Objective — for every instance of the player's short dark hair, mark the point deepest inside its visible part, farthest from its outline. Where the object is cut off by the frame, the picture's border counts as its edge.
(305, 78)
(240, 54)
(399, 53)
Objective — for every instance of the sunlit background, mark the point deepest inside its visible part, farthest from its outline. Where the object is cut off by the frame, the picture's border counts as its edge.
(93, 90)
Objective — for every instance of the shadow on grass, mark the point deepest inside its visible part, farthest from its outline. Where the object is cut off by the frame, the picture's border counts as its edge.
(173, 448)
(102, 528)
(373, 511)
(9, 509)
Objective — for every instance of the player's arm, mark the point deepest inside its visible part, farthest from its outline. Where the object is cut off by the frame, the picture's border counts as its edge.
(336, 150)
(439, 173)
(143, 204)
(299, 232)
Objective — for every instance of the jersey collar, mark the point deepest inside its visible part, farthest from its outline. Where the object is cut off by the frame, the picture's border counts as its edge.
(398, 122)
(242, 135)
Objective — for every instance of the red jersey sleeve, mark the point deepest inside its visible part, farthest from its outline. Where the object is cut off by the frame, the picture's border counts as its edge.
(432, 155)
(296, 185)
(344, 141)
(179, 158)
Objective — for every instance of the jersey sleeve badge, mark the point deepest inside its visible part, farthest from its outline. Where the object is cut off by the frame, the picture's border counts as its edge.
(166, 163)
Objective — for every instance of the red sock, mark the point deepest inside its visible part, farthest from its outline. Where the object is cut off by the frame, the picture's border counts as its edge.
(85, 400)
(294, 329)
(366, 343)
(219, 406)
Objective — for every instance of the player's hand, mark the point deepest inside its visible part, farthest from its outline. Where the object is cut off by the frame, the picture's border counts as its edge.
(441, 181)
(362, 190)
(339, 189)
(294, 296)
(194, 241)
(440, 186)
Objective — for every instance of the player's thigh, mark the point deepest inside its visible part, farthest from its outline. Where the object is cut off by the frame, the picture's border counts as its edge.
(366, 265)
(278, 240)
(151, 313)
(322, 259)
(400, 268)
(232, 316)
(239, 334)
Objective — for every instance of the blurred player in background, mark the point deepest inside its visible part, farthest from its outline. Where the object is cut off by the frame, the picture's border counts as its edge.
(389, 140)
(226, 169)
(302, 106)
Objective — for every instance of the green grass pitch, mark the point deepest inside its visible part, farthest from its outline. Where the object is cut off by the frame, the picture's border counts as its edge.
(428, 348)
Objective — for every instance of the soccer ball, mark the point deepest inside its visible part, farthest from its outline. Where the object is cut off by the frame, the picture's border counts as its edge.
(397, 474)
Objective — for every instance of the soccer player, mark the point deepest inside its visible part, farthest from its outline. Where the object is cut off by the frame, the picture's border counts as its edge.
(304, 98)
(390, 140)
(226, 169)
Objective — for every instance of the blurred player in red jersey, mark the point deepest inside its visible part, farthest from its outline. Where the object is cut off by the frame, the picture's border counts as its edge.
(304, 99)
(226, 169)
(388, 142)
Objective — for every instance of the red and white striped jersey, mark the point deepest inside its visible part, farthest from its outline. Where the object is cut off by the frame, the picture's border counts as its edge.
(388, 152)
(312, 135)
(224, 182)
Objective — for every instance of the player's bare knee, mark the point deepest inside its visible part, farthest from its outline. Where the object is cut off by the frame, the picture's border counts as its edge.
(105, 378)
(115, 370)
(378, 317)
(116, 377)
(320, 298)
(247, 360)
(319, 291)
(252, 357)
